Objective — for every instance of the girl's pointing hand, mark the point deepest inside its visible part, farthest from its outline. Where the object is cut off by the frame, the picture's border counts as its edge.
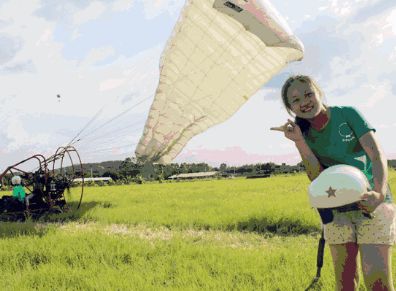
(291, 130)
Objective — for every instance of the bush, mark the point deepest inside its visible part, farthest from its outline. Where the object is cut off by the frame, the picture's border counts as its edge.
(100, 183)
(139, 179)
(160, 178)
(90, 183)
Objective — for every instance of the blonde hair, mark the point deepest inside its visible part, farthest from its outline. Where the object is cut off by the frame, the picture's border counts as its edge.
(303, 79)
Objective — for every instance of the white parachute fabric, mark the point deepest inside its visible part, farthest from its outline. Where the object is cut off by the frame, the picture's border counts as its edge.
(219, 55)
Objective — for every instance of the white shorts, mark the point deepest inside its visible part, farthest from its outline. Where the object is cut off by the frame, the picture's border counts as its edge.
(353, 226)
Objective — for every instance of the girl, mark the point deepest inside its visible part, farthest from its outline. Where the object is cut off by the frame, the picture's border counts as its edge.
(327, 136)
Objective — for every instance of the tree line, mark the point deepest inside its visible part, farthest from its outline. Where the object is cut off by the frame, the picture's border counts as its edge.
(131, 168)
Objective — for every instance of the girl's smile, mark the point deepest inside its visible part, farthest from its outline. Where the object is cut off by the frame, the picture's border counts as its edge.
(304, 100)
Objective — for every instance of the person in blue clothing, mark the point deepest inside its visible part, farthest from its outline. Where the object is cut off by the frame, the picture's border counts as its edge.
(331, 135)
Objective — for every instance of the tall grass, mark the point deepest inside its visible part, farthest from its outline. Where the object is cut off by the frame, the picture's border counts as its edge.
(203, 235)
(93, 260)
(278, 205)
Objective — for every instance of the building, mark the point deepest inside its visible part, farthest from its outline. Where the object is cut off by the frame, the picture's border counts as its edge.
(200, 175)
(96, 179)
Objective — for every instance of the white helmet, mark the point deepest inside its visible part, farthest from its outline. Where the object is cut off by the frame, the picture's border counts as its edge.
(16, 180)
(338, 186)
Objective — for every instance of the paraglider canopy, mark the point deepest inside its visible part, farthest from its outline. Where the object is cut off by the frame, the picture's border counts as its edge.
(219, 55)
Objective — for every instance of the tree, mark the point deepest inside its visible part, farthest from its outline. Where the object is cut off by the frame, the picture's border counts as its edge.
(223, 167)
(112, 174)
(148, 171)
(129, 167)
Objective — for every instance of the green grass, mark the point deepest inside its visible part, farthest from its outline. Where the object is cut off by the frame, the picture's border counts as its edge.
(241, 234)
(278, 205)
(95, 257)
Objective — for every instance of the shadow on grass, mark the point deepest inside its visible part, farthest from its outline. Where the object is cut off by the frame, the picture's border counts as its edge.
(42, 225)
(16, 229)
(72, 214)
(282, 227)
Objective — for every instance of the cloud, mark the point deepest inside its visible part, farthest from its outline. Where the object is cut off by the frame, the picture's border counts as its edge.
(122, 5)
(19, 67)
(341, 7)
(344, 55)
(325, 38)
(78, 12)
(18, 137)
(59, 11)
(372, 9)
(3, 23)
(111, 84)
(153, 8)
(91, 12)
(377, 94)
(9, 46)
(391, 19)
(98, 55)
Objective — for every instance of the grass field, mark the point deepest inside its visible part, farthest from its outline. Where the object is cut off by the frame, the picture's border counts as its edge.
(237, 234)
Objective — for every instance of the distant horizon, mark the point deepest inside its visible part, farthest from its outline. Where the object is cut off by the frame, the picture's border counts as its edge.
(278, 161)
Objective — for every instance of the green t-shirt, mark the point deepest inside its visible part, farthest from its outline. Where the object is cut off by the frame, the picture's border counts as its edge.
(18, 193)
(338, 142)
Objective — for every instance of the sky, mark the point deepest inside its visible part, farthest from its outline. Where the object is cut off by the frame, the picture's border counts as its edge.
(92, 67)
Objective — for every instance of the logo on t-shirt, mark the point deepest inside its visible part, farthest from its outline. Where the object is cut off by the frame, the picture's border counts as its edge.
(346, 132)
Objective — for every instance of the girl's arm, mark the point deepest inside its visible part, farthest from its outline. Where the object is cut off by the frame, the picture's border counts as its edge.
(311, 162)
(379, 163)
(372, 199)
(293, 132)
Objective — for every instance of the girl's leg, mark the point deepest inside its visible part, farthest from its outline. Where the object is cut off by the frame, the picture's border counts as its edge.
(345, 265)
(377, 266)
